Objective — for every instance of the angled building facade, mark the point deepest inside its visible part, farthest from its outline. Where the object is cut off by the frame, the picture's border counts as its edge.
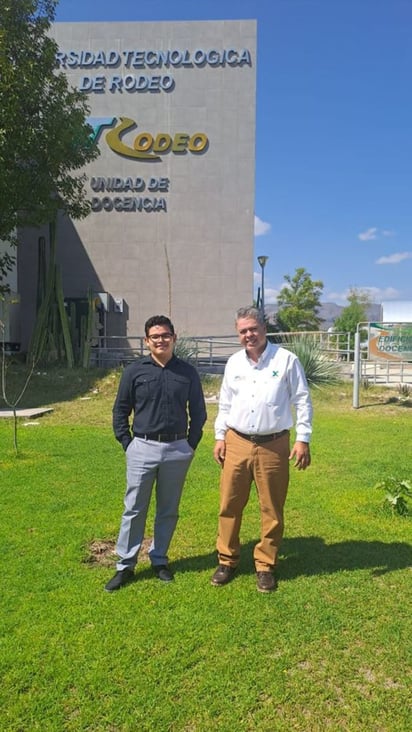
(172, 192)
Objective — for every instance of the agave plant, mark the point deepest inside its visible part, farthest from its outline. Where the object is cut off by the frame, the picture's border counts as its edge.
(186, 348)
(319, 369)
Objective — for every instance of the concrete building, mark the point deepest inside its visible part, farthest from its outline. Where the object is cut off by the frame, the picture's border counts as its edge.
(396, 311)
(172, 192)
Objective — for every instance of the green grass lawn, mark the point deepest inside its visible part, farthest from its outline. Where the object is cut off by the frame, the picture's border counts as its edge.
(330, 650)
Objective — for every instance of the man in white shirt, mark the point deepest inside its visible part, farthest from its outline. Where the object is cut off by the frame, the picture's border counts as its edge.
(261, 385)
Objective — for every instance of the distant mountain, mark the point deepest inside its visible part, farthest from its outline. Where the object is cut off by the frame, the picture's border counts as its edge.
(329, 311)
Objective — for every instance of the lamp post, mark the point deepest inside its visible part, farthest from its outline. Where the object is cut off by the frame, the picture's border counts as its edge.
(262, 261)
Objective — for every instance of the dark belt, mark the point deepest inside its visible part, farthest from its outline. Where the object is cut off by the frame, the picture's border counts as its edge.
(259, 439)
(161, 436)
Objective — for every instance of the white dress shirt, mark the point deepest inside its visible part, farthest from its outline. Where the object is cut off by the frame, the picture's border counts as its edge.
(257, 398)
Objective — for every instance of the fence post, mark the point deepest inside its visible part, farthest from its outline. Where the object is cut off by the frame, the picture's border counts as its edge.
(356, 371)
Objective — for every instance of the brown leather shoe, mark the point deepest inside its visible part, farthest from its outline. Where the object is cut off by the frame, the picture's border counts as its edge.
(223, 575)
(266, 581)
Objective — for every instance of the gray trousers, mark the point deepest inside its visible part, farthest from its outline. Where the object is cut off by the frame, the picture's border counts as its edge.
(147, 463)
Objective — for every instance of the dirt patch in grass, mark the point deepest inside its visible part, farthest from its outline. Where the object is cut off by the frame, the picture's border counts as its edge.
(103, 552)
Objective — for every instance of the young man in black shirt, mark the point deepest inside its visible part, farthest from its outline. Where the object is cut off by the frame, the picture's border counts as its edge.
(165, 395)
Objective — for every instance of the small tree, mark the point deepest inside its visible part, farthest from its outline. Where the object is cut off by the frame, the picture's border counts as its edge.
(299, 302)
(276, 325)
(43, 130)
(354, 313)
(11, 403)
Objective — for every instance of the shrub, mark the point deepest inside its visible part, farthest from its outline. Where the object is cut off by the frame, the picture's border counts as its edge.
(319, 369)
(397, 494)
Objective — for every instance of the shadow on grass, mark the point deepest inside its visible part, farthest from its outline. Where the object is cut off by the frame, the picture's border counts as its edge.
(388, 402)
(49, 385)
(309, 556)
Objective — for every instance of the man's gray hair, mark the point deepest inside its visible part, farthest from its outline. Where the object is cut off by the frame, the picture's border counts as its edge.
(251, 312)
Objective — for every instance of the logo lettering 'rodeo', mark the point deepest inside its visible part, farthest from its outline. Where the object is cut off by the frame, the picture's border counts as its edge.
(146, 146)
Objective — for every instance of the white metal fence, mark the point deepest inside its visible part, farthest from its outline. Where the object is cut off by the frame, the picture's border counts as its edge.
(210, 353)
(390, 373)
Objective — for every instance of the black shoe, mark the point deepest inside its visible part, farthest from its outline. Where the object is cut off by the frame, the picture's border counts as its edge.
(223, 575)
(122, 577)
(163, 572)
(265, 581)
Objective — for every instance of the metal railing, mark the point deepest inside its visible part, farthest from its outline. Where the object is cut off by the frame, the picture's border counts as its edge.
(210, 353)
(337, 346)
(203, 351)
(390, 373)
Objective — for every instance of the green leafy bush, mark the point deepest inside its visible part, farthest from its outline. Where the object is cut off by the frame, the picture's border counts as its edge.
(397, 494)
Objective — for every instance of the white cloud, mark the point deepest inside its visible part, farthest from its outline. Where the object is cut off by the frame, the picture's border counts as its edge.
(375, 233)
(261, 227)
(340, 298)
(368, 234)
(271, 296)
(394, 258)
(376, 295)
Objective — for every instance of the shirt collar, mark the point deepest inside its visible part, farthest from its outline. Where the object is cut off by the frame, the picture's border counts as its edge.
(148, 359)
(167, 365)
(263, 356)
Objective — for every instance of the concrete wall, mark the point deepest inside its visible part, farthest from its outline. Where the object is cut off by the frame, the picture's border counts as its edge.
(193, 258)
(10, 333)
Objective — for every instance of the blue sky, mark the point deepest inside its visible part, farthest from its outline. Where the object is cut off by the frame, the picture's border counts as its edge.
(333, 134)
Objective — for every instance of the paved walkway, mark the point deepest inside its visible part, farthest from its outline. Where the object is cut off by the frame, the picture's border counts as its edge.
(28, 413)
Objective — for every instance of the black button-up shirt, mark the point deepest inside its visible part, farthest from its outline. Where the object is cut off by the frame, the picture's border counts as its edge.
(165, 399)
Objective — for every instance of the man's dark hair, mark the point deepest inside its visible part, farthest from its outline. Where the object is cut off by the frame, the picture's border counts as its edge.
(158, 320)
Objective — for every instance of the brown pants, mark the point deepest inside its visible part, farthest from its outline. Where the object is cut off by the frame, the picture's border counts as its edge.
(267, 465)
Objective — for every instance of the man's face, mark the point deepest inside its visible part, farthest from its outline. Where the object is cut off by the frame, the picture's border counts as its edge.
(252, 336)
(160, 342)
